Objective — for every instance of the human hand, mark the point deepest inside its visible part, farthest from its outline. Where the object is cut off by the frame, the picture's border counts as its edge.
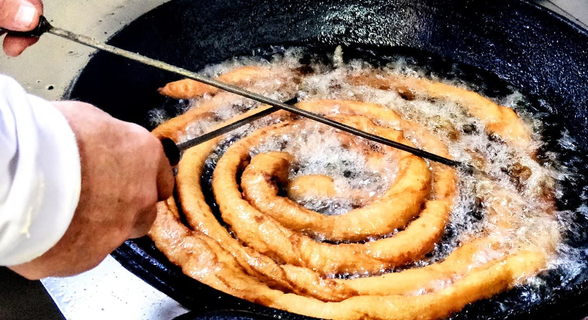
(124, 173)
(19, 15)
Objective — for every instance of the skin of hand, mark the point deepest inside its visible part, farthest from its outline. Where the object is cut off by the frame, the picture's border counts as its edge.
(19, 15)
(124, 173)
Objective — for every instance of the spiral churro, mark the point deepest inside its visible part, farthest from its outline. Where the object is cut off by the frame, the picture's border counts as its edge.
(321, 223)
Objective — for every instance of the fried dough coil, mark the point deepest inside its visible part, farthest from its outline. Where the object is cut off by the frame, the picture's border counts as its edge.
(188, 88)
(498, 119)
(271, 250)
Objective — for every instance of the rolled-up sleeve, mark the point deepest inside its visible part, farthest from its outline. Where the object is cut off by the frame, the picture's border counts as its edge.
(40, 177)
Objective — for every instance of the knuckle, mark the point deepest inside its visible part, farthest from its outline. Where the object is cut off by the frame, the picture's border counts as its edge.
(146, 200)
(145, 138)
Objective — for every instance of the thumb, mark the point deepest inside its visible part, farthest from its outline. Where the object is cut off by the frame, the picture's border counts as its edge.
(20, 15)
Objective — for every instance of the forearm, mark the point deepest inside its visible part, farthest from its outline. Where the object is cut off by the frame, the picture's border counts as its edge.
(67, 201)
(39, 174)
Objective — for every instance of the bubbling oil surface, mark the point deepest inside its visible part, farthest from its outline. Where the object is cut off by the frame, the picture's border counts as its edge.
(528, 178)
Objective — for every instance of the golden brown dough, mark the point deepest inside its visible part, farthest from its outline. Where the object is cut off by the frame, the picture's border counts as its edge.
(188, 88)
(274, 251)
(498, 119)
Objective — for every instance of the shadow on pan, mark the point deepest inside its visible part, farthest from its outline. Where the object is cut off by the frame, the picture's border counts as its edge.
(511, 43)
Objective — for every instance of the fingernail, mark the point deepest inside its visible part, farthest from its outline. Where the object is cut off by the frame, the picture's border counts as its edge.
(25, 16)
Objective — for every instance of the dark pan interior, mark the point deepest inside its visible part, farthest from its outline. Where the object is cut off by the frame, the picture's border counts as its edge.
(503, 42)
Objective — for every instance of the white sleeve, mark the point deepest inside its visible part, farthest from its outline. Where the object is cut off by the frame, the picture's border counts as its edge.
(40, 177)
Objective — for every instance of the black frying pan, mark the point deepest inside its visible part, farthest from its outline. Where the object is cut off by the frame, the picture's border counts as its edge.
(497, 44)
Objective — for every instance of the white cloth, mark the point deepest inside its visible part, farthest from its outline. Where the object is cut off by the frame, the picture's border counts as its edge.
(40, 177)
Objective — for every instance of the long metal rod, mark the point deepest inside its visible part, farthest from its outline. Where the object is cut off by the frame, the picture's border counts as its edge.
(90, 42)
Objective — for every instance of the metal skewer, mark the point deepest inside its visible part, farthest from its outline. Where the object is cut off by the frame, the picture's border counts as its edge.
(222, 130)
(45, 27)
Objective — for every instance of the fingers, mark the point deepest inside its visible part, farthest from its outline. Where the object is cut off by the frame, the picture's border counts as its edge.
(143, 223)
(165, 178)
(153, 152)
(20, 15)
(14, 46)
(165, 187)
